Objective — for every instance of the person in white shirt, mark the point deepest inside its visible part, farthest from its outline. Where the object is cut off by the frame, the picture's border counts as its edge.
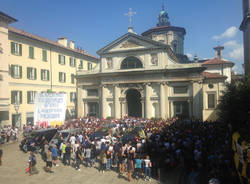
(147, 166)
(72, 140)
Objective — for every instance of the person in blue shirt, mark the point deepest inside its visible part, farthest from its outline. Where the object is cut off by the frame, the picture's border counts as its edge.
(54, 151)
(138, 167)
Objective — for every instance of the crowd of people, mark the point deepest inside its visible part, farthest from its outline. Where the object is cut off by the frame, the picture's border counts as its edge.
(145, 148)
(8, 133)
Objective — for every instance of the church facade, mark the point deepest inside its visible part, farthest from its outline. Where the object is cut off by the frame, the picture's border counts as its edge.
(149, 76)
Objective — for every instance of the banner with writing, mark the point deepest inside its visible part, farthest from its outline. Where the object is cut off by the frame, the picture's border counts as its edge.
(49, 109)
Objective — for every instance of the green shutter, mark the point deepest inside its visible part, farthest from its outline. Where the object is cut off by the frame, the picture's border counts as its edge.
(12, 70)
(64, 60)
(20, 69)
(12, 97)
(20, 97)
(28, 97)
(59, 59)
(59, 76)
(44, 55)
(41, 74)
(30, 49)
(64, 77)
(35, 74)
(12, 48)
(20, 49)
(28, 73)
(48, 75)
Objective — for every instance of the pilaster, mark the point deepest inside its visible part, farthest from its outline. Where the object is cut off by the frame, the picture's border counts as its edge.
(116, 100)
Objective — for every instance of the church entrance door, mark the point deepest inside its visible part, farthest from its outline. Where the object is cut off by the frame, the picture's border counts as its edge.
(133, 98)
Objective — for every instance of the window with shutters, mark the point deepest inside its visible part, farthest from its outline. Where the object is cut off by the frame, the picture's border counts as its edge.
(31, 73)
(72, 96)
(62, 77)
(211, 100)
(16, 48)
(44, 57)
(89, 66)
(61, 59)
(16, 97)
(80, 64)
(72, 62)
(72, 78)
(31, 97)
(31, 52)
(16, 71)
(44, 75)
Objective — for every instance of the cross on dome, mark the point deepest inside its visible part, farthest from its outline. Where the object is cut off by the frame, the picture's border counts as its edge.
(130, 14)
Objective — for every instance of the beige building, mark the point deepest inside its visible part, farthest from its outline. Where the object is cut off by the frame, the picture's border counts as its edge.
(149, 76)
(5, 20)
(36, 65)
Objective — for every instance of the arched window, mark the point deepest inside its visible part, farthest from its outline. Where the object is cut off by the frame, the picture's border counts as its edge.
(131, 62)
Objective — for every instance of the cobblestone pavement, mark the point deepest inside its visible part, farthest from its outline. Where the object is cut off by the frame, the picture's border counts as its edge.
(14, 164)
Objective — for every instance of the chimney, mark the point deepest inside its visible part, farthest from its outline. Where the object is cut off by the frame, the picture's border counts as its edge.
(72, 44)
(218, 52)
(63, 41)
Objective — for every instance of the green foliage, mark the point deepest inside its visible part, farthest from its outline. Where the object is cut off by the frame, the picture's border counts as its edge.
(49, 91)
(234, 106)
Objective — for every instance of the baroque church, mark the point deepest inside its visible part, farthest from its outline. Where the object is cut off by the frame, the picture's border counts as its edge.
(149, 76)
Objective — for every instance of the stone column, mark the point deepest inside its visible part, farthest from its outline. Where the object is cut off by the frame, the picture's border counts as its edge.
(147, 101)
(162, 101)
(167, 108)
(85, 108)
(171, 113)
(116, 101)
(80, 96)
(104, 102)
(142, 107)
(125, 107)
(121, 110)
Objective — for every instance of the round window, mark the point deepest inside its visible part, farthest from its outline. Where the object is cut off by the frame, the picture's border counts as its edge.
(210, 86)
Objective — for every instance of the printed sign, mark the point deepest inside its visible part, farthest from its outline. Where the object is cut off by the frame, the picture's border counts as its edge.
(49, 109)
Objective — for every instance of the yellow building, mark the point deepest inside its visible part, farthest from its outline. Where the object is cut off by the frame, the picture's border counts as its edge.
(36, 65)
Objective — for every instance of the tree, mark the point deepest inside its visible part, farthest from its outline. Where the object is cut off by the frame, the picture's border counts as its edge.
(234, 106)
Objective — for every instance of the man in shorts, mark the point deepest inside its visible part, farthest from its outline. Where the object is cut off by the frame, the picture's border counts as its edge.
(49, 162)
(54, 151)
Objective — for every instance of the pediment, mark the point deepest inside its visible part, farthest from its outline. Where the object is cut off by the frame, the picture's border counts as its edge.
(130, 44)
(131, 41)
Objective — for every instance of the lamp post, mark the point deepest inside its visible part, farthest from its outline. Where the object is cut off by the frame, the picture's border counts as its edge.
(16, 106)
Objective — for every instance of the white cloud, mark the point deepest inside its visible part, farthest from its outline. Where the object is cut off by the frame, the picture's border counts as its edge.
(237, 53)
(231, 44)
(190, 56)
(229, 33)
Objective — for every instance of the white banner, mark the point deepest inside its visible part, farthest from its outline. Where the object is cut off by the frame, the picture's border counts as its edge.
(49, 109)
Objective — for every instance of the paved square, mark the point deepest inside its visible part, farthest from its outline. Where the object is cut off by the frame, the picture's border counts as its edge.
(14, 164)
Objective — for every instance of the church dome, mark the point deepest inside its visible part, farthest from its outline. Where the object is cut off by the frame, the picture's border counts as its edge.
(163, 19)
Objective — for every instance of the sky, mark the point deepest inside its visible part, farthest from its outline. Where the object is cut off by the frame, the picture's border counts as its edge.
(94, 24)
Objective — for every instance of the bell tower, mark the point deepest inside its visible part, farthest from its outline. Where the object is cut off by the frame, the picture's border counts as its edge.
(245, 27)
(163, 19)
